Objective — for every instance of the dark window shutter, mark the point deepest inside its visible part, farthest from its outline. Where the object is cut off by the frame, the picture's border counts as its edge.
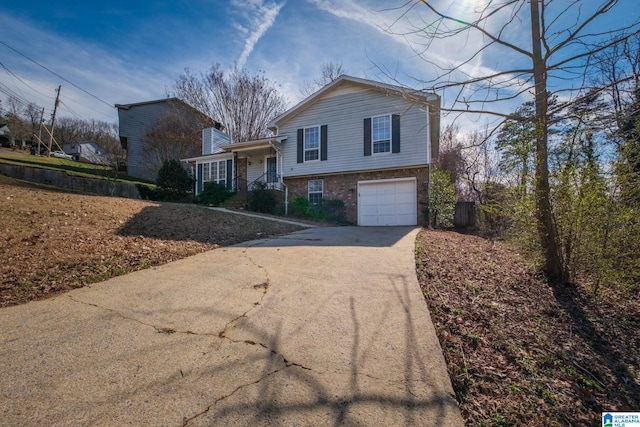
(199, 182)
(229, 173)
(300, 145)
(367, 136)
(323, 142)
(395, 133)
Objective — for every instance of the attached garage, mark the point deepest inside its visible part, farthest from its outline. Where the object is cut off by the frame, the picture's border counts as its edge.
(387, 202)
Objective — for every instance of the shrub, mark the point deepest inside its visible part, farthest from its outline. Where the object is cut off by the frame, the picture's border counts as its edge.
(329, 209)
(147, 193)
(174, 181)
(213, 194)
(262, 199)
(442, 200)
(299, 207)
(333, 210)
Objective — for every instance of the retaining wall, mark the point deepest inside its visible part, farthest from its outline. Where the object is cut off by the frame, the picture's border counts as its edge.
(72, 182)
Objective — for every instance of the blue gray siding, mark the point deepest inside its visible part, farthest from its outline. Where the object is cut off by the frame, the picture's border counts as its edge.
(134, 123)
(212, 139)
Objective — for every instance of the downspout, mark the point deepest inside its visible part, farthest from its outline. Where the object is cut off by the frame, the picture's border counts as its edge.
(286, 199)
(429, 164)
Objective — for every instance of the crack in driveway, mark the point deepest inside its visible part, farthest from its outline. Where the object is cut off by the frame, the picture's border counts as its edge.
(264, 287)
(186, 421)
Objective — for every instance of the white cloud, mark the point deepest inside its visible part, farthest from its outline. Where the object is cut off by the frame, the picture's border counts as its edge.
(259, 17)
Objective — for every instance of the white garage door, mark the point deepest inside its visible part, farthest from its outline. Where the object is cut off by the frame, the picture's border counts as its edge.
(387, 202)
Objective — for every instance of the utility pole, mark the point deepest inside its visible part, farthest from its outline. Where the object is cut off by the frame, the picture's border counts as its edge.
(40, 130)
(53, 117)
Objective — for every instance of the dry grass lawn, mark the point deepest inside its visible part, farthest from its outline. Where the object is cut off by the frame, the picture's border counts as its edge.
(52, 241)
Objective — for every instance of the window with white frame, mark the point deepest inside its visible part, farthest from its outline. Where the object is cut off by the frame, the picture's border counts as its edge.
(312, 143)
(315, 187)
(381, 134)
(215, 172)
(206, 172)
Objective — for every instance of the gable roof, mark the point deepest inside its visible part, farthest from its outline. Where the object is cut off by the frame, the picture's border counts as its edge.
(216, 124)
(414, 95)
(155, 101)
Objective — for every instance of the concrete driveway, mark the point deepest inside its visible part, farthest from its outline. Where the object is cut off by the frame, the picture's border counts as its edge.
(325, 326)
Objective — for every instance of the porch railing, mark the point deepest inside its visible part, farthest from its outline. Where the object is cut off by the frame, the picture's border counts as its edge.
(267, 180)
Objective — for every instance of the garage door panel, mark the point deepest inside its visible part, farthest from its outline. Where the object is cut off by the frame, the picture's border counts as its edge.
(392, 202)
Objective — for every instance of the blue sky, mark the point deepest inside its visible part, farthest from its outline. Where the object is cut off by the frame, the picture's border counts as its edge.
(132, 51)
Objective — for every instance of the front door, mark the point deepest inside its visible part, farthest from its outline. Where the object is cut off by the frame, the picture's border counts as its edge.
(271, 166)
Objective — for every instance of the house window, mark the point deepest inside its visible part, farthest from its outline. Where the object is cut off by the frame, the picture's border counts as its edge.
(315, 187)
(312, 143)
(222, 172)
(215, 172)
(381, 134)
(206, 172)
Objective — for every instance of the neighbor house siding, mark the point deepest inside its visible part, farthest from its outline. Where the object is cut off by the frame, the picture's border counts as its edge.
(134, 124)
(344, 113)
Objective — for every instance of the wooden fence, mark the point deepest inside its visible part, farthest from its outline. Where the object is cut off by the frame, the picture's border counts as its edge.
(465, 215)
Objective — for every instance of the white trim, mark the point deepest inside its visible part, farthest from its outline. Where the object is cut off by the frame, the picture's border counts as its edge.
(208, 157)
(304, 143)
(217, 177)
(375, 181)
(321, 192)
(390, 116)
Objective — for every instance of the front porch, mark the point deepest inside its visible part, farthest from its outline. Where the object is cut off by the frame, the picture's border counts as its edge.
(241, 167)
(257, 165)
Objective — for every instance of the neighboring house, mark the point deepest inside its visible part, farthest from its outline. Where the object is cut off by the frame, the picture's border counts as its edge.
(136, 120)
(366, 143)
(88, 152)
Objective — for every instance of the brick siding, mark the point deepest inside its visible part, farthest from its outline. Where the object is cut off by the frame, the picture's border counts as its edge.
(345, 187)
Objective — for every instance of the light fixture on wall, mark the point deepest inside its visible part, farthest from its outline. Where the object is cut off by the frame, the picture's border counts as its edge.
(260, 161)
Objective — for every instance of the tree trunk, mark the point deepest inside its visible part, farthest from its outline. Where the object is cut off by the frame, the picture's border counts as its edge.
(547, 234)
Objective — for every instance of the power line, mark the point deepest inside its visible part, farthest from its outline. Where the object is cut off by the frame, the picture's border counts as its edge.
(13, 95)
(57, 75)
(70, 110)
(22, 81)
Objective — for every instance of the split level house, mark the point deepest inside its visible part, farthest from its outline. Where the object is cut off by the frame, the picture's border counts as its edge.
(366, 143)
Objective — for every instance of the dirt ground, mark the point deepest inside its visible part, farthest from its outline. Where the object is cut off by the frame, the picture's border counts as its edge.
(52, 241)
(520, 352)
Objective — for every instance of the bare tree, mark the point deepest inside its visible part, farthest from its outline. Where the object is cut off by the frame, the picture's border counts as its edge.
(176, 135)
(612, 68)
(245, 104)
(328, 73)
(17, 125)
(563, 37)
